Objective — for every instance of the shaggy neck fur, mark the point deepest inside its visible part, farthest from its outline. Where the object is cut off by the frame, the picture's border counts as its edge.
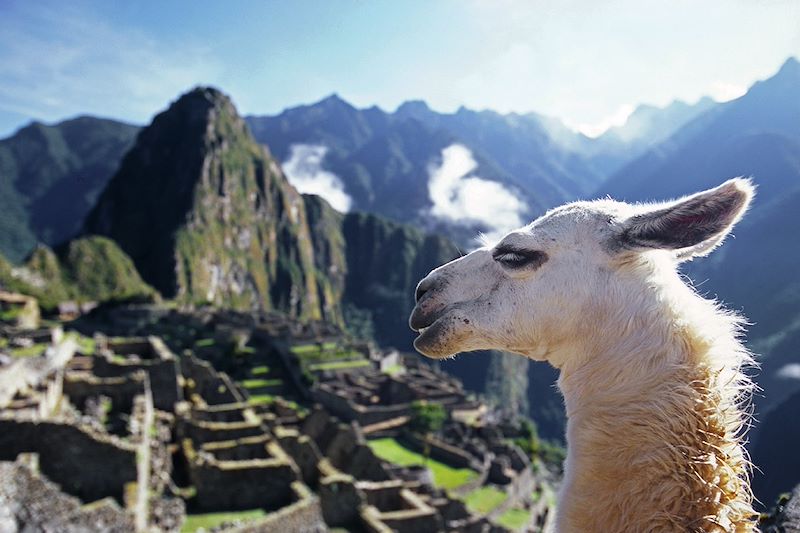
(655, 416)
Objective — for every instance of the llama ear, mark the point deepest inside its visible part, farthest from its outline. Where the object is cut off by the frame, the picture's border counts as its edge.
(693, 226)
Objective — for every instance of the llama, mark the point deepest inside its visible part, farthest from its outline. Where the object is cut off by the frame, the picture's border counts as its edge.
(651, 373)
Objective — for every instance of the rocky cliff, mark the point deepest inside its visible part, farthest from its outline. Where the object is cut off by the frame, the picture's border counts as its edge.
(207, 215)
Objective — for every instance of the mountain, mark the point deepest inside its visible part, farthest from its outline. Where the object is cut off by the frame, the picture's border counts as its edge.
(50, 177)
(374, 265)
(645, 128)
(775, 451)
(88, 269)
(755, 135)
(385, 162)
(207, 216)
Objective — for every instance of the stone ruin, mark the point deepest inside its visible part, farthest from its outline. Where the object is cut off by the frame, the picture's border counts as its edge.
(134, 437)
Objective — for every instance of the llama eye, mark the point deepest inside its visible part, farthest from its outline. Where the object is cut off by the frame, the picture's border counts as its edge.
(520, 259)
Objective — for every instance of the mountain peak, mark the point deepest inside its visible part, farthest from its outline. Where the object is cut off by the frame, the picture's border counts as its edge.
(198, 204)
(413, 108)
(790, 67)
(208, 94)
(334, 100)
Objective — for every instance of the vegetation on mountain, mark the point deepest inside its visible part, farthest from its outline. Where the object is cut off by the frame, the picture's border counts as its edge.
(206, 214)
(89, 269)
(51, 176)
(385, 261)
(383, 158)
(427, 417)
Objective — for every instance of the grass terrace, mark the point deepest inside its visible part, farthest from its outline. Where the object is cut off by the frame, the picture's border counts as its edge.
(446, 477)
(262, 370)
(206, 522)
(315, 357)
(338, 365)
(86, 345)
(10, 314)
(258, 383)
(484, 500)
(29, 351)
(204, 343)
(261, 399)
(514, 519)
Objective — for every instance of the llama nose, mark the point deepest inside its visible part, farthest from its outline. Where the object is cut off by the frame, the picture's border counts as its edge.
(424, 286)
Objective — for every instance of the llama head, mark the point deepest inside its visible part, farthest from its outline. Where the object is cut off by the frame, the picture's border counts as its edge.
(544, 285)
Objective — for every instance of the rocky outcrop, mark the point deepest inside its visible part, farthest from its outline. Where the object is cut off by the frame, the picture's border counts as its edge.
(207, 215)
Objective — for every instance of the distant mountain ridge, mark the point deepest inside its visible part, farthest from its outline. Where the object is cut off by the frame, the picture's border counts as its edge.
(51, 176)
(208, 217)
(384, 159)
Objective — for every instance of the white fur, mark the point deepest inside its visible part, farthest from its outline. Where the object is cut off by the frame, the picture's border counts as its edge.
(652, 373)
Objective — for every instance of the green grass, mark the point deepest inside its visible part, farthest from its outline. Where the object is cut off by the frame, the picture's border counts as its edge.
(485, 499)
(204, 343)
(515, 519)
(3, 342)
(212, 520)
(258, 383)
(330, 351)
(338, 365)
(30, 351)
(260, 399)
(86, 345)
(246, 350)
(259, 370)
(444, 476)
(7, 315)
(307, 349)
(394, 369)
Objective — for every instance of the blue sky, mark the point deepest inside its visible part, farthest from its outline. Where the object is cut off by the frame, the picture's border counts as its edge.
(584, 61)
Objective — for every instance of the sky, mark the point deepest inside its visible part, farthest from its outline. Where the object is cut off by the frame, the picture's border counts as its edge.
(586, 62)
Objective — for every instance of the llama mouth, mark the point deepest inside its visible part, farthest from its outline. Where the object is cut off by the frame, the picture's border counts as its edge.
(428, 337)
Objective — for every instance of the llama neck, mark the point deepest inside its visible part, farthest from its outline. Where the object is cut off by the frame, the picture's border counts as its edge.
(653, 424)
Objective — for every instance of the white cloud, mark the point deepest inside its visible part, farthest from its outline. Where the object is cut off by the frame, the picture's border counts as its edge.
(459, 195)
(723, 92)
(790, 371)
(617, 118)
(305, 172)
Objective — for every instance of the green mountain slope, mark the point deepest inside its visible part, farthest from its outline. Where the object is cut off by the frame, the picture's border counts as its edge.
(50, 177)
(88, 269)
(207, 215)
(373, 266)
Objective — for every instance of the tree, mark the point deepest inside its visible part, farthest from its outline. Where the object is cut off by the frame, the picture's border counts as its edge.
(427, 418)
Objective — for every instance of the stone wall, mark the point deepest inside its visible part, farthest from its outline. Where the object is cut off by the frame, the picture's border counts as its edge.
(229, 412)
(239, 450)
(29, 502)
(241, 485)
(302, 516)
(87, 465)
(212, 387)
(202, 432)
(163, 377)
(80, 386)
(351, 411)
